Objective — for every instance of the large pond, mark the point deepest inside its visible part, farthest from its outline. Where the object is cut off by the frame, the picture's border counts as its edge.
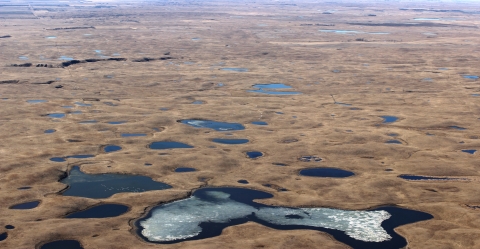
(209, 210)
(106, 185)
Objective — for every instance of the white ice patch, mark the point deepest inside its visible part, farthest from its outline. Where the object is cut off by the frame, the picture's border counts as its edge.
(181, 219)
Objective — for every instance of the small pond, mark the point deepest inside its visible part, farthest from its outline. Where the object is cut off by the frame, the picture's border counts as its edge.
(389, 119)
(26, 205)
(218, 126)
(420, 178)
(254, 154)
(259, 123)
(267, 89)
(163, 145)
(326, 172)
(184, 169)
(36, 101)
(111, 148)
(230, 141)
(235, 69)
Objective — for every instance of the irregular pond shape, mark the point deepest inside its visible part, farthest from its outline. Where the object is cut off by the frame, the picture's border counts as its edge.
(9, 227)
(259, 123)
(88, 122)
(111, 148)
(56, 115)
(82, 104)
(235, 69)
(134, 135)
(163, 145)
(457, 128)
(50, 37)
(209, 210)
(254, 154)
(100, 211)
(472, 77)
(67, 106)
(426, 19)
(23, 57)
(65, 58)
(243, 181)
(110, 103)
(280, 164)
(419, 178)
(3, 236)
(218, 126)
(49, 131)
(23, 188)
(26, 205)
(105, 185)
(63, 159)
(198, 102)
(76, 112)
(389, 119)
(261, 89)
(230, 141)
(469, 151)
(337, 31)
(326, 172)
(36, 101)
(342, 104)
(310, 159)
(393, 141)
(62, 244)
(184, 169)
(392, 134)
(117, 122)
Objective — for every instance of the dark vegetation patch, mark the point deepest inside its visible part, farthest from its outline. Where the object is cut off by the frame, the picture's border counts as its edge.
(9, 81)
(90, 27)
(145, 59)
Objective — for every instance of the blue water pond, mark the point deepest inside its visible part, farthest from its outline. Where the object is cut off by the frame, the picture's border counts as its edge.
(259, 123)
(105, 185)
(163, 145)
(26, 205)
(218, 126)
(254, 154)
(184, 169)
(235, 69)
(265, 89)
(230, 141)
(111, 148)
(326, 172)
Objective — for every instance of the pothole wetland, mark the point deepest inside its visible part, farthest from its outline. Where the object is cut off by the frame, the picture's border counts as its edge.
(239, 124)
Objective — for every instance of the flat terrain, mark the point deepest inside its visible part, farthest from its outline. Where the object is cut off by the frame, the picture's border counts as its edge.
(171, 54)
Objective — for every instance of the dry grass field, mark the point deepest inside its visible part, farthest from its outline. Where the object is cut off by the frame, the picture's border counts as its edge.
(146, 63)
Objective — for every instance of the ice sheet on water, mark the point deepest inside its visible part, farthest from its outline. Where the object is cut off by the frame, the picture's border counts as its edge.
(181, 219)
